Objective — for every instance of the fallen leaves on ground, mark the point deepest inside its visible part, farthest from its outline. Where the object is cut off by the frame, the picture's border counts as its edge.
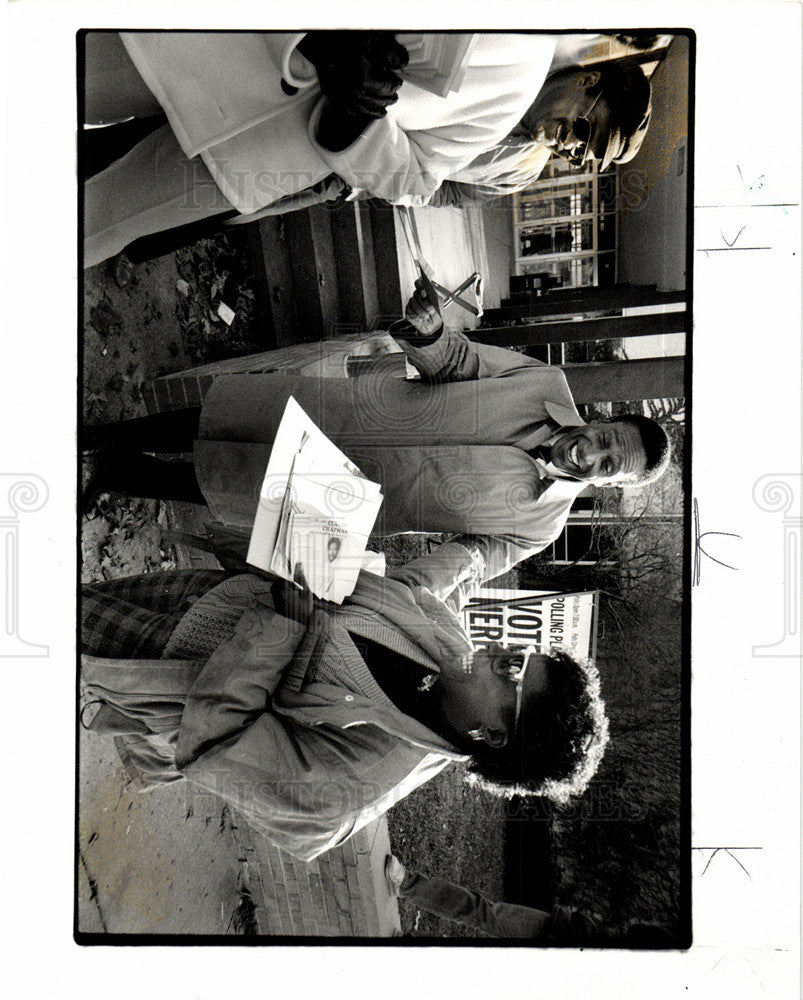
(122, 536)
(104, 318)
(214, 272)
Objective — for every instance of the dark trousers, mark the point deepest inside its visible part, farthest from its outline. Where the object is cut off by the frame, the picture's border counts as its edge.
(455, 902)
(125, 466)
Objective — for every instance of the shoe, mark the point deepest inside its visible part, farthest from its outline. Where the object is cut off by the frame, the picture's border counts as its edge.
(395, 873)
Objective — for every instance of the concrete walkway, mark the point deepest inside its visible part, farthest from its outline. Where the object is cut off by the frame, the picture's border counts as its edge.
(178, 861)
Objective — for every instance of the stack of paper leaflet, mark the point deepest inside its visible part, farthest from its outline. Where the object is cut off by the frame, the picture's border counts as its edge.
(438, 60)
(316, 512)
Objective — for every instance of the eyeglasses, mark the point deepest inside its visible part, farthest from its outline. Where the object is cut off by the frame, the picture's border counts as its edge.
(514, 668)
(582, 130)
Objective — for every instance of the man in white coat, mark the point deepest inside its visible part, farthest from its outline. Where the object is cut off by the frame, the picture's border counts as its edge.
(241, 137)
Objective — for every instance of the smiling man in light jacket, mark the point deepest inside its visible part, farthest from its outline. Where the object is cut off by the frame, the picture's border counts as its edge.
(240, 137)
(486, 441)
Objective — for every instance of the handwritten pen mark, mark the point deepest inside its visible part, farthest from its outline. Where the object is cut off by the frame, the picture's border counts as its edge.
(750, 967)
(729, 851)
(699, 551)
(730, 244)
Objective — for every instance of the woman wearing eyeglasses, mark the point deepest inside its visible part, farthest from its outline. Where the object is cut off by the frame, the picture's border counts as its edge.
(313, 719)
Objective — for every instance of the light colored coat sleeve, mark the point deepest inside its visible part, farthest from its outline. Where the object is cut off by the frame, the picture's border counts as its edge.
(405, 156)
(456, 570)
(282, 778)
(503, 552)
(452, 571)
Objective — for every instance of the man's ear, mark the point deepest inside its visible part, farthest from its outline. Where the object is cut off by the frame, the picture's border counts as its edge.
(591, 78)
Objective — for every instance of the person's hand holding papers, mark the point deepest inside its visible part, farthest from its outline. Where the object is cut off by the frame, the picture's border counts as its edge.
(316, 511)
(294, 602)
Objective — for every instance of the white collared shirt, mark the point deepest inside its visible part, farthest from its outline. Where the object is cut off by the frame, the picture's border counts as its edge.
(549, 469)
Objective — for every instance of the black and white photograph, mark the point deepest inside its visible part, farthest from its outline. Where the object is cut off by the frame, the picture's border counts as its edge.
(384, 507)
(401, 499)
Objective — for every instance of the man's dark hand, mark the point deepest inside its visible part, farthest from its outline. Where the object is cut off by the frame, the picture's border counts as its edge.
(356, 70)
(292, 602)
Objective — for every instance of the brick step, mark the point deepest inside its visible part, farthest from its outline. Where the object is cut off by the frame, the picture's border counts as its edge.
(637, 294)
(342, 893)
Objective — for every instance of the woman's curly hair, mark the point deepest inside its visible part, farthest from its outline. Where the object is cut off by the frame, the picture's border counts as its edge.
(559, 742)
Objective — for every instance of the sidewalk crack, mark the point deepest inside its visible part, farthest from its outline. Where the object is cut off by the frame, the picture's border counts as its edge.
(93, 891)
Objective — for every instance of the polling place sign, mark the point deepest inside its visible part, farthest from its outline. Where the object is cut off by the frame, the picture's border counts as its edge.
(532, 617)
